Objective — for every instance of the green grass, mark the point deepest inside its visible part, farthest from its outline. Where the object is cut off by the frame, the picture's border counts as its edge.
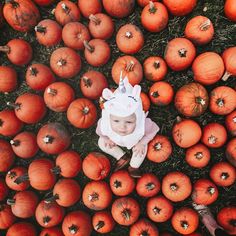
(85, 141)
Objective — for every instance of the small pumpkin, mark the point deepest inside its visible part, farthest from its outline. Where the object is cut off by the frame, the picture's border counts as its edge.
(230, 10)
(145, 101)
(7, 156)
(229, 60)
(8, 79)
(231, 151)
(89, 7)
(54, 231)
(7, 218)
(22, 228)
(4, 189)
(230, 122)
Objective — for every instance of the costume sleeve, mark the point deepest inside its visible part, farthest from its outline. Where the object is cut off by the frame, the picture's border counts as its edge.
(98, 129)
(151, 128)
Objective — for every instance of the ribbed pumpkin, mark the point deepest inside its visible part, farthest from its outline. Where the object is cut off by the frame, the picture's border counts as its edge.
(53, 231)
(230, 122)
(89, 7)
(230, 64)
(6, 216)
(231, 151)
(7, 156)
(8, 79)
(22, 228)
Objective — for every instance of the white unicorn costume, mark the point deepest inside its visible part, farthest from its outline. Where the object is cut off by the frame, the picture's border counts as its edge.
(123, 102)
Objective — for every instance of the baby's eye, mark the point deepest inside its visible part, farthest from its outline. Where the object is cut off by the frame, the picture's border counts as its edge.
(116, 121)
(129, 122)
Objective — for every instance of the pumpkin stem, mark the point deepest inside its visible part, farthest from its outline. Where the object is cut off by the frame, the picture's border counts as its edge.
(178, 119)
(184, 224)
(93, 197)
(21, 179)
(174, 187)
(128, 35)
(5, 49)
(156, 210)
(1, 122)
(65, 8)
(51, 199)
(144, 233)
(14, 3)
(33, 71)
(11, 174)
(48, 139)
(73, 229)
(182, 52)
(99, 225)
(61, 62)
(14, 105)
(211, 190)
(234, 119)
(11, 202)
(205, 25)
(198, 155)
(152, 8)
(220, 102)
(212, 139)
(51, 91)
(15, 143)
(56, 170)
(232, 222)
(158, 146)
(200, 100)
(155, 94)
(94, 19)
(156, 64)
(126, 214)
(224, 175)
(89, 47)
(46, 219)
(87, 82)
(130, 66)
(226, 76)
(150, 186)
(86, 110)
(117, 184)
(40, 29)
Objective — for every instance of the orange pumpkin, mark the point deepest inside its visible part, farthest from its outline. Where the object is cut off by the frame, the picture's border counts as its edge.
(230, 10)
(229, 60)
(230, 122)
(159, 209)
(89, 7)
(222, 100)
(125, 211)
(208, 68)
(143, 3)
(154, 17)
(7, 156)
(155, 68)
(179, 54)
(53, 231)
(22, 228)
(223, 174)
(205, 192)
(191, 100)
(8, 79)
(231, 151)
(199, 30)
(214, 135)
(176, 186)
(4, 189)
(145, 101)
(6, 216)
(159, 149)
(185, 220)
(161, 93)
(197, 156)
(129, 39)
(186, 132)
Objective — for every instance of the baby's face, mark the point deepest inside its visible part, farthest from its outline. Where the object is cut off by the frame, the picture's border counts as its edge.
(123, 125)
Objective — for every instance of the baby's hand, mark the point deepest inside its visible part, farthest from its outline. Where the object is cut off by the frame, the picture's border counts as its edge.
(139, 149)
(109, 143)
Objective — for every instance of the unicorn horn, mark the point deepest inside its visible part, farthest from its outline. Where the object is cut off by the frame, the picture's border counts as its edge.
(121, 84)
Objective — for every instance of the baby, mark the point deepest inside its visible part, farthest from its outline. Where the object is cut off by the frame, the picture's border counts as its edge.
(124, 123)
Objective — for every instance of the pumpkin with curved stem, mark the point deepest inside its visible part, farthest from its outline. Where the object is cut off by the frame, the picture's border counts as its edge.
(4, 190)
(89, 7)
(143, 227)
(7, 218)
(8, 79)
(130, 67)
(197, 156)
(9, 123)
(154, 17)
(231, 151)
(176, 186)
(179, 54)
(21, 15)
(191, 100)
(121, 183)
(96, 166)
(22, 228)
(101, 26)
(18, 51)
(185, 220)
(223, 174)
(39, 76)
(74, 34)
(48, 32)
(82, 113)
(125, 211)
(7, 156)
(67, 11)
(155, 68)
(148, 185)
(77, 223)
(222, 100)
(204, 192)
(199, 30)
(129, 39)
(230, 122)
(49, 214)
(230, 10)
(54, 231)
(103, 222)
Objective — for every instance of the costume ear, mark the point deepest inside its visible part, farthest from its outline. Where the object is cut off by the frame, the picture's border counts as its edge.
(136, 91)
(107, 94)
